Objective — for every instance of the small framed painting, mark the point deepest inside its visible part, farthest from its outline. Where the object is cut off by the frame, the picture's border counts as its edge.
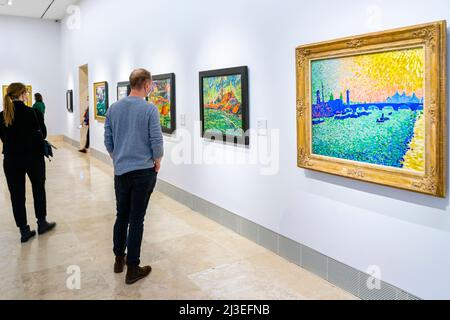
(69, 100)
(29, 101)
(224, 107)
(163, 97)
(373, 107)
(101, 103)
(123, 90)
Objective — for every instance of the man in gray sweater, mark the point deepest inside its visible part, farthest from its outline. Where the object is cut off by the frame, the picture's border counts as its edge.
(134, 140)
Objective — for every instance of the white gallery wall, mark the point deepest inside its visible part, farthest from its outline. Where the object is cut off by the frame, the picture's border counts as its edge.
(406, 234)
(30, 52)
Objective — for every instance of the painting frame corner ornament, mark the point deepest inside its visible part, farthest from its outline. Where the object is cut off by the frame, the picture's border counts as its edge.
(101, 100)
(163, 96)
(221, 107)
(374, 107)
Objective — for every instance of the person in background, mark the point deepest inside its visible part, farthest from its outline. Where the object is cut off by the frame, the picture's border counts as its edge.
(85, 130)
(134, 140)
(21, 131)
(39, 103)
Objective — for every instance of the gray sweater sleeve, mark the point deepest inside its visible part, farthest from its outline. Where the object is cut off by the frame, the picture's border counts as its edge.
(155, 134)
(109, 142)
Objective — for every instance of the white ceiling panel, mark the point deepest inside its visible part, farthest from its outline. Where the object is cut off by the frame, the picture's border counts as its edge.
(46, 9)
(58, 9)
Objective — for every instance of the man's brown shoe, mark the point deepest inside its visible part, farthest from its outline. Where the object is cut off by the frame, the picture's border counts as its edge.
(136, 273)
(119, 264)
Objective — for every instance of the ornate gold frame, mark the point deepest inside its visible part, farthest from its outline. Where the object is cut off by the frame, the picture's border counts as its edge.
(430, 36)
(96, 85)
(30, 94)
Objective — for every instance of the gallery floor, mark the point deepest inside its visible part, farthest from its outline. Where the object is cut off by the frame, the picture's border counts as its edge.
(192, 257)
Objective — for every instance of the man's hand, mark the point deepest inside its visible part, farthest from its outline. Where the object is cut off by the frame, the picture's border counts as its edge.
(157, 165)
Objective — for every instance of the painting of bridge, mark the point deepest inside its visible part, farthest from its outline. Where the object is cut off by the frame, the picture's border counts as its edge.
(335, 107)
(370, 108)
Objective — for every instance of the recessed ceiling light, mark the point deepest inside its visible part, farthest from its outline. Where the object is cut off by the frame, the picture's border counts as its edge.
(9, 2)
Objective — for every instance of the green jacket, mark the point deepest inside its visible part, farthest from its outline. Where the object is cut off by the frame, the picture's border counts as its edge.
(39, 106)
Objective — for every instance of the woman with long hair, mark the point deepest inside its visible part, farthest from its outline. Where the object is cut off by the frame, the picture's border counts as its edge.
(22, 130)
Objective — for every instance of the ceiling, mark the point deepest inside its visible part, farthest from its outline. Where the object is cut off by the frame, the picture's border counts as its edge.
(43, 9)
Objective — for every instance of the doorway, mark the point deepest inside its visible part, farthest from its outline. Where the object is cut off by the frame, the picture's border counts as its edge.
(83, 76)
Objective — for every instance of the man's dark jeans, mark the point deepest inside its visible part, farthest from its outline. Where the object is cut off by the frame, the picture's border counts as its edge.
(133, 191)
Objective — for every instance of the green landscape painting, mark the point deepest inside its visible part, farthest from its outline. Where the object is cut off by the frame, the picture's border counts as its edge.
(222, 104)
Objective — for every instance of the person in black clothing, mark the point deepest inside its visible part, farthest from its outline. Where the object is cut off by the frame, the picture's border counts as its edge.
(24, 155)
(85, 123)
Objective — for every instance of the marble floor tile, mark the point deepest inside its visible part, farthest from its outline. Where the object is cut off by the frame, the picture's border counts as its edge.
(239, 281)
(192, 257)
(235, 243)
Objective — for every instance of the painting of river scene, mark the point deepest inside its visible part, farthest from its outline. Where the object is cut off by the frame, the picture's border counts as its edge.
(370, 108)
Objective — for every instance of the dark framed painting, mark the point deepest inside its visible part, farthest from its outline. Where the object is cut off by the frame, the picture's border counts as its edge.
(123, 90)
(373, 107)
(163, 97)
(224, 105)
(101, 102)
(69, 100)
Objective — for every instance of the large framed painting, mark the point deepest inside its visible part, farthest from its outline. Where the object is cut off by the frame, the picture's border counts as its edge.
(101, 103)
(69, 100)
(163, 97)
(224, 107)
(373, 108)
(123, 90)
(29, 101)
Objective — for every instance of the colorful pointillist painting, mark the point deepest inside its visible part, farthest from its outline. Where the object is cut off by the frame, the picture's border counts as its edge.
(369, 108)
(222, 104)
(161, 98)
(100, 100)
